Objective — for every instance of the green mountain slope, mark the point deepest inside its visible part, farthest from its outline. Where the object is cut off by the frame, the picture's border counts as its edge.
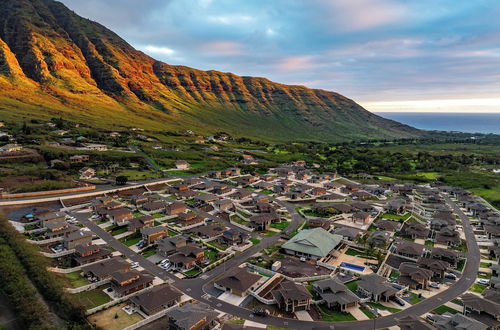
(56, 63)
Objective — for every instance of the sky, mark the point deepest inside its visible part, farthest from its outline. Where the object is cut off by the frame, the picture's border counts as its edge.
(388, 55)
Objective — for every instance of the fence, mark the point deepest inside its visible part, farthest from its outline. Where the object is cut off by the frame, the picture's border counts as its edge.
(116, 301)
(58, 254)
(45, 241)
(87, 287)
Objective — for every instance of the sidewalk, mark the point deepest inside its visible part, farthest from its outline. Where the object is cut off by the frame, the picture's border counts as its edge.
(358, 314)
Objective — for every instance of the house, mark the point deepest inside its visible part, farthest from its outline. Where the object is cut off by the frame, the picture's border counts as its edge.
(408, 249)
(415, 230)
(241, 194)
(347, 233)
(95, 147)
(59, 132)
(188, 219)
(239, 282)
(86, 173)
(412, 322)
(388, 225)
(312, 243)
(175, 208)
(224, 204)
(396, 206)
(136, 224)
(170, 245)
(332, 198)
(438, 267)
(319, 223)
(125, 282)
(448, 236)
(317, 191)
(79, 158)
(263, 221)
(292, 297)
(181, 165)
(206, 198)
(120, 216)
(232, 237)
(155, 206)
(362, 206)
(376, 288)
(248, 160)
(153, 234)
(50, 217)
(361, 217)
(413, 276)
(139, 200)
(448, 321)
(192, 316)
(11, 148)
(341, 208)
(80, 237)
(474, 304)
(157, 299)
(103, 269)
(85, 254)
(59, 229)
(221, 189)
(335, 294)
(207, 231)
(361, 195)
(187, 257)
(379, 238)
(450, 256)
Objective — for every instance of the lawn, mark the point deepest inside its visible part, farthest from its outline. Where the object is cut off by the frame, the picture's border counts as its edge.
(149, 251)
(254, 241)
(396, 217)
(138, 175)
(484, 265)
(218, 245)
(267, 232)
(414, 299)
(266, 192)
(114, 318)
(280, 225)
(239, 220)
(157, 215)
(367, 312)
(131, 239)
(478, 288)
(119, 230)
(429, 243)
(485, 276)
(76, 279)
(137, 214)
(353, 286)
(382, 307)
(92, 298)
(460, 264)
(242, 214)
(100, 222)
(332, 316)
(352, 252)
(394, 274)
(443, 309)
(212, 255)
(193, 272)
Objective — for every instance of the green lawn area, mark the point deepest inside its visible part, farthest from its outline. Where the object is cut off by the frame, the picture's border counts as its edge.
(192, 272)
(394, 274)
(239, 220)
(119, 230)
(267, 232)
(396, 217)
(461, 264)
(352, 252)
(266, 192)
(242, 214)
(462, 247)
(312, 213)
(478, 288)
(458, 302)
(485, 276)
(429, 243)
(138, 175)
(382, 307)
(76, 279)
(443, 309)
(331, 316)
(92, 298)
(280, 225)
(157, 215)
(137, 214)
(353, 286)
(367, 312)
(218, 245)
(254, 241)
(100, 222)
(149, 251)
(212, 255)
(414, 299)
(131, 239)
(484, 265)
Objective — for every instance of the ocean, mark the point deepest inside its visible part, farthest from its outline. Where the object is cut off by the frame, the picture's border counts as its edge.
(462, 122)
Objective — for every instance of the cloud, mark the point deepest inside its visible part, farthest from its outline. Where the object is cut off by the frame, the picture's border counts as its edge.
(295, 63)
(223, 47)
(158, 50)
(230, 19)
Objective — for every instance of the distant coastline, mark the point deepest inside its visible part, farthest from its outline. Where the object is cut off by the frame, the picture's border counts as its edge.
(442, 121)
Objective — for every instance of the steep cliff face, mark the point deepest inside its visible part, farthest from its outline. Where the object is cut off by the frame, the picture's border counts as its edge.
(52, 61)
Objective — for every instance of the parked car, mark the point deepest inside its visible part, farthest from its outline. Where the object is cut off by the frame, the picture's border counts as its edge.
(430, 317)
(451, 276)
(398, 301)
(260, 312)
(483, 281)
(435, 285)
(134, 265)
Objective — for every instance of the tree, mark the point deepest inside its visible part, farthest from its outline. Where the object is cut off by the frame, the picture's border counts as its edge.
(121, 180)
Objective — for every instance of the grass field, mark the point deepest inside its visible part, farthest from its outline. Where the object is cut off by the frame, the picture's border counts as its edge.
(353, 286)
(114, 318)
(414, 299)
(332, 316)
(478, 288)
(254, 241)
(382, 307)
(92, 298)
(280, 225)
(131, 239)
(367, 312)
(443, 309)
(76, 280)
(396, 217)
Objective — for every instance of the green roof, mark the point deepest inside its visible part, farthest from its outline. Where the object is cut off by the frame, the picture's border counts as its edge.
(315, 241)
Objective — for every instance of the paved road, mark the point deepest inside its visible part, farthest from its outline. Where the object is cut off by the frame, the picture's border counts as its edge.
(195, 287)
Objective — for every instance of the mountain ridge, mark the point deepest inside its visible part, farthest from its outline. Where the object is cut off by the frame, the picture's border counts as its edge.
(54, 62)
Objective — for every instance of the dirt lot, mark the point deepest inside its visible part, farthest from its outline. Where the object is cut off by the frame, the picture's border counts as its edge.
(293, 267)
(114, 318)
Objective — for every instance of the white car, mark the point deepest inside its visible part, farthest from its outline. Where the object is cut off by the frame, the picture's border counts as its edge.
(435, 285)
(483, 281)
(134, 265)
